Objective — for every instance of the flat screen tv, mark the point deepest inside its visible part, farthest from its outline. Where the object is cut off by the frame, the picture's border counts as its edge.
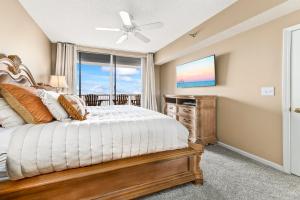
(198, 73)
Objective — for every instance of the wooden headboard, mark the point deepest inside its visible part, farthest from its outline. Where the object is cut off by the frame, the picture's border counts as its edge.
(13, 71)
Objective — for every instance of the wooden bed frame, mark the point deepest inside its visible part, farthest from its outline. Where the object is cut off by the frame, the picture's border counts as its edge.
(119, 179)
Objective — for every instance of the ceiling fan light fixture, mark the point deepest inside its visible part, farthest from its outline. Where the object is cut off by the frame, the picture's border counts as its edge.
(125, 18)
(130, 28)
(122, 39)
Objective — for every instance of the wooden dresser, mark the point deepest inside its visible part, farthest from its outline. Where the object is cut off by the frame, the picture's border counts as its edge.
(196, 113)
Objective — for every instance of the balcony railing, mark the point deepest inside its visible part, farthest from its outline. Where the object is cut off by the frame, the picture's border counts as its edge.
(106, 99)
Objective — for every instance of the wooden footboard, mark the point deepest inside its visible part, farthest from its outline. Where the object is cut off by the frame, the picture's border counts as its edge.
(120, 179)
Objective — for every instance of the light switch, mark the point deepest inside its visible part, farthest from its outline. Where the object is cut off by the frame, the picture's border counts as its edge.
(268, 91)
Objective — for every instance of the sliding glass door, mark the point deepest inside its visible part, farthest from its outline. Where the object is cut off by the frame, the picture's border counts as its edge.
(128, 82)
(109, 79)
(94, 72)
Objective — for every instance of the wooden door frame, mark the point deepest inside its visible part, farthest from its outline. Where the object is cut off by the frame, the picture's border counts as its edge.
(286, 97)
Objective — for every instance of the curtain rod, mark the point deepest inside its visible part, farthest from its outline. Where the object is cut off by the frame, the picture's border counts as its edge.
(65, 43)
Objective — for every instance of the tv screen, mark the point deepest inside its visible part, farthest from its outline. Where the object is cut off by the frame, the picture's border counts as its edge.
(199, 73)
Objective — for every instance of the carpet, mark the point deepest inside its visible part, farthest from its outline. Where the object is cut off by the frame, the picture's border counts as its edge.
(230, 176)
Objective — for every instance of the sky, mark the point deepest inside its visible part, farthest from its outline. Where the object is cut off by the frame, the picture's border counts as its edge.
(95, 79)
(199, 70)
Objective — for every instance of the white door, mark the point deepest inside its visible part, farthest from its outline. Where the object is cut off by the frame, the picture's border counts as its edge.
(295, 103)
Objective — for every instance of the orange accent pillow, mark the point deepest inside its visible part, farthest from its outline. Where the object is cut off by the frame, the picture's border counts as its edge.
(26, 103)
(73, 105)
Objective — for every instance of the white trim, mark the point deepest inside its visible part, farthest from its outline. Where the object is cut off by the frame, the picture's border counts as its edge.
(252, 156)
(286, 100)
(286, 97)
(258, 20)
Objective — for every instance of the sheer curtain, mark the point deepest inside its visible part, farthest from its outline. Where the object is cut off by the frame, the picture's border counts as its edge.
(148, 78)
(66, 64)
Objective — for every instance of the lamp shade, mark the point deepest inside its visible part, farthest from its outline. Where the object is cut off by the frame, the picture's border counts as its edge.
(58, 81)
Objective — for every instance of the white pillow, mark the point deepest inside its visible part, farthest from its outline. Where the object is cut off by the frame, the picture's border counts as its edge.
(8, 117)
(49, 99)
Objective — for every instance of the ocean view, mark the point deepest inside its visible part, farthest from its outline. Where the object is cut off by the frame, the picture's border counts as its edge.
(96, 79)
(195, 84)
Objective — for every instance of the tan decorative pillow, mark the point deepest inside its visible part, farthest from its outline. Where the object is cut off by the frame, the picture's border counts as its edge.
(26, 103)
(73, 106)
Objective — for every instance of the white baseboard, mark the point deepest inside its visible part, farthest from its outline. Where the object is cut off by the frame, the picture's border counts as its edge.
(254, 157)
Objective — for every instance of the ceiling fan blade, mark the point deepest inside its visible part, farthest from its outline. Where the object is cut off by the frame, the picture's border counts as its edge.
(141, 37)
(107, 29)
(150, 26)
(126, 18)
(122, 38)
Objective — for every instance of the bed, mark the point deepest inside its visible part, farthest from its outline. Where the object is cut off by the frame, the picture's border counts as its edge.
(137, 152)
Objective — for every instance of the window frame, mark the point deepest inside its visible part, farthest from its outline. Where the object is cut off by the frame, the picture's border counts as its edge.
(113, 76)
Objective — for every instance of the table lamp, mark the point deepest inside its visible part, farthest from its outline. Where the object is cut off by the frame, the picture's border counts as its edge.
(59, 82)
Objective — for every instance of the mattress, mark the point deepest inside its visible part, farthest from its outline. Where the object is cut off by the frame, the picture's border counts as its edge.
(109, 133)
(5, 135)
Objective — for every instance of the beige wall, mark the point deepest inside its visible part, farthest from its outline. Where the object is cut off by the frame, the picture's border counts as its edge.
(245, 63)
(20, 35)
(233, 15)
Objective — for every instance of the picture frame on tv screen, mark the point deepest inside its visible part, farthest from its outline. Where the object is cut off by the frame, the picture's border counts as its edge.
(198, 73)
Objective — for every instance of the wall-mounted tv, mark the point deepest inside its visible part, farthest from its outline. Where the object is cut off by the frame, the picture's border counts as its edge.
(198, 73)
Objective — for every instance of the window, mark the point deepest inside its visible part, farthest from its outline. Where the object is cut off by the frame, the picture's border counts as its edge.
(93, 74)
(108, 77)
(128, 75)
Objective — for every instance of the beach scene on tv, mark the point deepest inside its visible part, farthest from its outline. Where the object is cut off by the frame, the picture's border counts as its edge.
(199, 73)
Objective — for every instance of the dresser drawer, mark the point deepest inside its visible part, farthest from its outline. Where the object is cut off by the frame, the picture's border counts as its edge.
(171, 114)
(187, 122)
(171, 108)
(192, 134)
(186, 111)
(190, 127)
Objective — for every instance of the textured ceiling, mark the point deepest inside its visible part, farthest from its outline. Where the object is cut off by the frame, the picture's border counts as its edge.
(75, 20)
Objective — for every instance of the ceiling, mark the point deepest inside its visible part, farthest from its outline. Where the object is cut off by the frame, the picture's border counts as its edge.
(75, 20)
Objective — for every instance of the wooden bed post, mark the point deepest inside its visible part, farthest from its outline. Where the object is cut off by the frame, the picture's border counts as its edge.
(195, 162)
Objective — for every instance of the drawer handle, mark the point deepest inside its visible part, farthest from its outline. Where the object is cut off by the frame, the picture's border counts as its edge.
(186, 120)
(187, 110)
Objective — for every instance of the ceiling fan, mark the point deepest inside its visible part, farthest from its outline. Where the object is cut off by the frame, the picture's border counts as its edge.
(129, 27)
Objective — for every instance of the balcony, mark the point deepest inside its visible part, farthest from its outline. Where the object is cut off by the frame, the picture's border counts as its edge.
(105, 99)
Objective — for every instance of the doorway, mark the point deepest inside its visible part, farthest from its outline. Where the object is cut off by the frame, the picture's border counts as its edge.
(291, 100)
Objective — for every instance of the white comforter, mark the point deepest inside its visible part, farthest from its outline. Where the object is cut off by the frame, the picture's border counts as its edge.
(109, 133)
